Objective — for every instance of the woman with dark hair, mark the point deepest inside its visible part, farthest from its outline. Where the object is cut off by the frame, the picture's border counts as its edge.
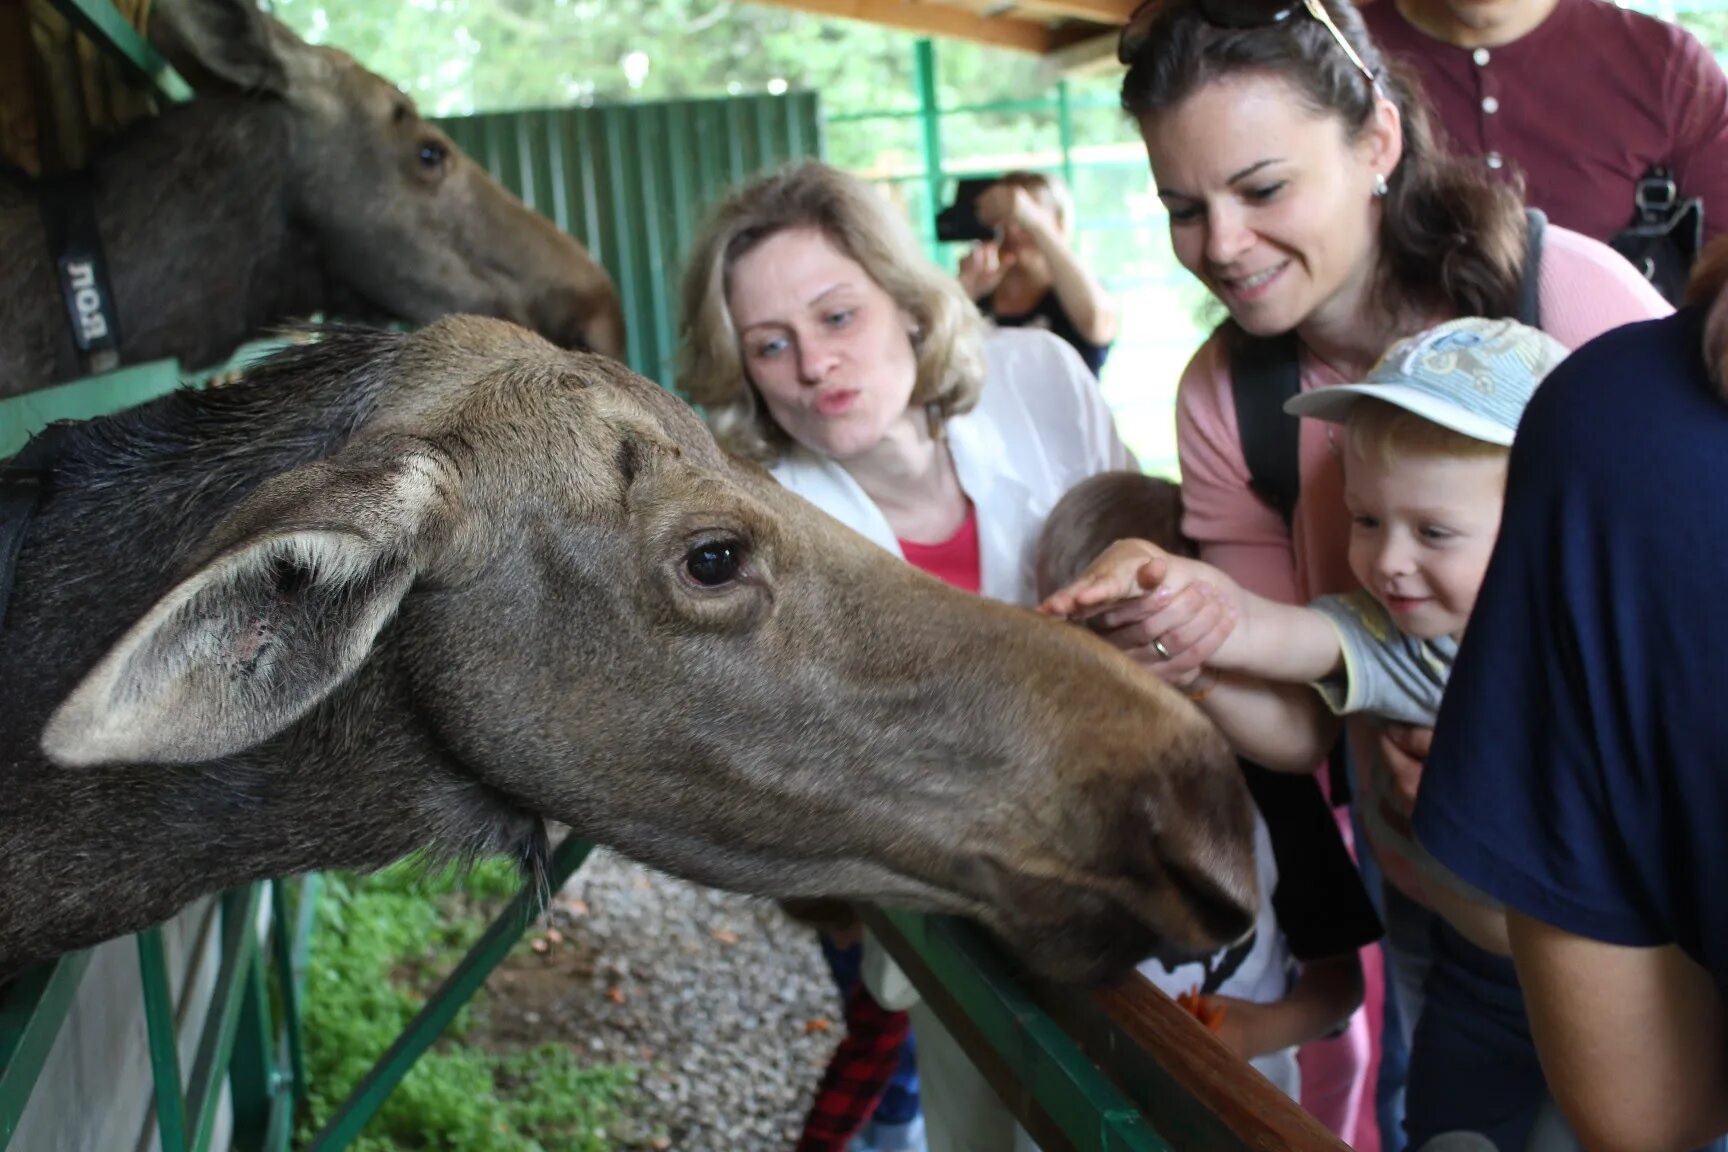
(1305, 190)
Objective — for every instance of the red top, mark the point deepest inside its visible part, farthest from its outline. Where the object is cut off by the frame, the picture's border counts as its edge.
(1581, 106)
(955, 560)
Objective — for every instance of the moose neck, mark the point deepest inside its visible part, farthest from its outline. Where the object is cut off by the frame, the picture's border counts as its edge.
(197, 222)
(88, 854)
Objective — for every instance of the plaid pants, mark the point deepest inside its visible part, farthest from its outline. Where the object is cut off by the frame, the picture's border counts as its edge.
(872, 1067)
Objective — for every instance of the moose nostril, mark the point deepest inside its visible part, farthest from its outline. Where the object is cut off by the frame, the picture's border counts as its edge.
(1200, 854)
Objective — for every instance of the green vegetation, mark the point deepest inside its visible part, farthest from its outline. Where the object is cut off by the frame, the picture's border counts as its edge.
(382, 941)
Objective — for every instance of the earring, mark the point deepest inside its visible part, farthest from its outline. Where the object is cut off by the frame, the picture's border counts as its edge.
(1380, 186)
(933, 420)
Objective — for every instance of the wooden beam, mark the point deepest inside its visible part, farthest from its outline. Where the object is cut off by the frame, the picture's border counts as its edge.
(933, 19)
(1108, 12)
(1092, 56)
(1118, 1067)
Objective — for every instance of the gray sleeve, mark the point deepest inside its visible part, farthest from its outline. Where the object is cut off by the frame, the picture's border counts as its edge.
(1385, 672)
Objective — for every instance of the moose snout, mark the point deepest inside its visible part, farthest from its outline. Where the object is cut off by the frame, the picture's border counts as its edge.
(1186, 839)
(1154, 857)
(1164, 868)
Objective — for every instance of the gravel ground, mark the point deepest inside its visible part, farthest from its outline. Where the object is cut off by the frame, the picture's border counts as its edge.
(724, 1003)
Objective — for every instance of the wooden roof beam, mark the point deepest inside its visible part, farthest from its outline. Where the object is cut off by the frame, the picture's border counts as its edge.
(1110, 13)
(1092, 56)
(934, 19)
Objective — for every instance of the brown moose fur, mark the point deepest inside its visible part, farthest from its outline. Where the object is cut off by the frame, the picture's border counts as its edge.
(398, 593)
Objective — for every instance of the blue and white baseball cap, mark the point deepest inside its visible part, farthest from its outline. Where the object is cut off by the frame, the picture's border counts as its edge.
(1473, 376)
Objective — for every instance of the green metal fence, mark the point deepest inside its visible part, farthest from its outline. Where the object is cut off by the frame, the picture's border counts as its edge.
(249, 1041)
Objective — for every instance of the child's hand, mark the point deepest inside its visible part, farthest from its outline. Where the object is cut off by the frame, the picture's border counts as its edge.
(1246, 1028)
(1236, 1023)
(1205, 1009)
(1126, 570)
(1170, 614)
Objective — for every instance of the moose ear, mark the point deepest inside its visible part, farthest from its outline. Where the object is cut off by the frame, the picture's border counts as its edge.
(221, 43)
(257, 637)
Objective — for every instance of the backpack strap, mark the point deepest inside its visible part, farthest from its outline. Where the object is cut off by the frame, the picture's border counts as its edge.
(1265, 371)
(1530, 290)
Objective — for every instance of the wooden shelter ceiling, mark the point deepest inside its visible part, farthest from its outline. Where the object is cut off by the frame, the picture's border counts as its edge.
(1042, 27)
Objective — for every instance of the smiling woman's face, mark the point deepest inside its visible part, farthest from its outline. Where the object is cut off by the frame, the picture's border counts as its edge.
(827, 348)
(1271, 204)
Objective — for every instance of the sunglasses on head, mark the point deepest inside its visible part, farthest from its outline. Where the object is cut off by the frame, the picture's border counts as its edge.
(1237, 14)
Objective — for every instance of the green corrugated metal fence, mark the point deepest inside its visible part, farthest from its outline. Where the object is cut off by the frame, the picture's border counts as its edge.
(631, 182)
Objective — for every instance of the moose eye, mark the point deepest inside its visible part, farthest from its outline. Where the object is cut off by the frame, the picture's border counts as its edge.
(432, 154)
(714, 563)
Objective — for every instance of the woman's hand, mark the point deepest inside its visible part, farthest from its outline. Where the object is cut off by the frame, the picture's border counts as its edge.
(1403, 750)
(1171, 633)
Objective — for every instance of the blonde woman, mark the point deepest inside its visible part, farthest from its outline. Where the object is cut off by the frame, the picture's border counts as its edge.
(820, 341)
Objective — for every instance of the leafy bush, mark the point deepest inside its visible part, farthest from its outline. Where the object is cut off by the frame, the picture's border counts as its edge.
(382, 941)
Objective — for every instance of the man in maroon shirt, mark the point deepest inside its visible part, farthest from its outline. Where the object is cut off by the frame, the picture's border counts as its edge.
(1580, 96)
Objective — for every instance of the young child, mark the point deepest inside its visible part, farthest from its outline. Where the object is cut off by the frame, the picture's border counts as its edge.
(1261, 999)
(1425, 441)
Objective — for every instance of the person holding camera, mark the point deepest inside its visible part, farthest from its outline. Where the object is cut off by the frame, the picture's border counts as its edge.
(1028, 276)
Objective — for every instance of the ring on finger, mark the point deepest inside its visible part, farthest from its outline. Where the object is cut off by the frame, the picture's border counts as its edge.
(1158, 647)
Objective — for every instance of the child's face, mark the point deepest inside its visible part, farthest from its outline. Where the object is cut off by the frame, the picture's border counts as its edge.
(1421, 530)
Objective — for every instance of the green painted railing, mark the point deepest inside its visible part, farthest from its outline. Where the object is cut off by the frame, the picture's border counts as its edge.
(1112, 1069)
(242, 1042)
(32, 1008)
(98, 20)
(23, 416)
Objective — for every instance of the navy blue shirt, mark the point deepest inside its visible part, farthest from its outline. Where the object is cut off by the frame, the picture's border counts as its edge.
(1580, 763)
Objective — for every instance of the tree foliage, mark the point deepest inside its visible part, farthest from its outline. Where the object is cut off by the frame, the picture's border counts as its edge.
(462, 56)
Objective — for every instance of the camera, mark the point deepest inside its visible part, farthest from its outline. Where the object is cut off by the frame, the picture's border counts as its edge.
(959, 221)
